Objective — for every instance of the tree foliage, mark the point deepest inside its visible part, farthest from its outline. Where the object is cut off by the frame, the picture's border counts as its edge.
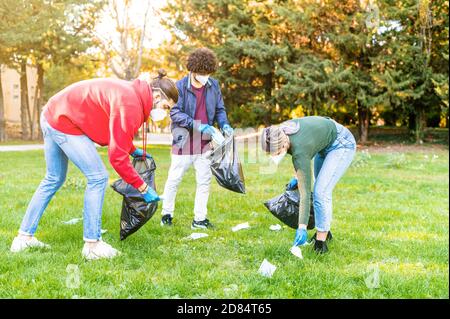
(363, 56)
(38, 33)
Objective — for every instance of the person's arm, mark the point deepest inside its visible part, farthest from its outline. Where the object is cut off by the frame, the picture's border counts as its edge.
(121, 130)
(221, 113)
(303, 167)
(177, 114)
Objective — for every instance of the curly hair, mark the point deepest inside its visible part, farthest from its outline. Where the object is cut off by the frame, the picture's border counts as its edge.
(202, 61)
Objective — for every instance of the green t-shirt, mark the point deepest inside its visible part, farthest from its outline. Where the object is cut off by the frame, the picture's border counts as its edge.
(316, 133)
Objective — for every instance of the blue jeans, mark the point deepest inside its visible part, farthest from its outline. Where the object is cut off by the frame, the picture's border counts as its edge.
(59, 148)
(329, 166)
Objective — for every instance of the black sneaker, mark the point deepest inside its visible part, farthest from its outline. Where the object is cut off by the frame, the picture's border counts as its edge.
(313, 238)
(166, 220)
(203, 224)
(320, 247)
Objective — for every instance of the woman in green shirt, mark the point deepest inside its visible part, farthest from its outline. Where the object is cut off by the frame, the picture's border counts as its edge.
(332, 146)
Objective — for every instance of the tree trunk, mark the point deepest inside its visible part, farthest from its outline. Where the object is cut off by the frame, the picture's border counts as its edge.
(268, 83)
(38, 99)
(419, 125)
(411, 122)
(363, 123)
(25, 116)
(2, 113)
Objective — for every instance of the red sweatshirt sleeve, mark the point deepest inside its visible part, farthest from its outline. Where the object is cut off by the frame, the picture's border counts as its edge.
(121, 130)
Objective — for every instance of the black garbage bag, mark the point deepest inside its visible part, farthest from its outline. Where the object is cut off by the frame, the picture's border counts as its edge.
(135, 211)
(226, 167)
(285, 208)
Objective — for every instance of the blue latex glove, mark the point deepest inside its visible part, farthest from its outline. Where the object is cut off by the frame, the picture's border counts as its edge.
(301, 237)
(150, 196)
(227, 130)
(292, 185)
(206, 129)
(138, 153)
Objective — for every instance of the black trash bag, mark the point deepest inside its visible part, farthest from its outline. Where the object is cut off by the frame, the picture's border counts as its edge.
(226, 167)
(135, 211)
(285, 208)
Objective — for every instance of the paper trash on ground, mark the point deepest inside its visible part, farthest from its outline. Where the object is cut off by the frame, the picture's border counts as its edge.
(103, 231)
(72, 221)
(276, 227)
(240, 226)
(267, 269)
(296, 251)
(196, 236)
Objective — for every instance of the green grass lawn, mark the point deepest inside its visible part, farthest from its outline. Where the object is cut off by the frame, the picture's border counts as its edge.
(391, 221)
(20, 142)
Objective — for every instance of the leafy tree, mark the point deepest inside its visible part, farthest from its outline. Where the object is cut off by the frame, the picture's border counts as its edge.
(124, 48)
(79, 68)
(412, 68)
(241, 34)
(56, 31)
(2, 113)
(3, 60)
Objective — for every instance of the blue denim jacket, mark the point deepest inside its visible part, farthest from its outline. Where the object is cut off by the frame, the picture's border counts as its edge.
(182, 114)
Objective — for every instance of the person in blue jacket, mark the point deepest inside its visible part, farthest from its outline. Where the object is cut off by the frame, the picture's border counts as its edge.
(200, 105)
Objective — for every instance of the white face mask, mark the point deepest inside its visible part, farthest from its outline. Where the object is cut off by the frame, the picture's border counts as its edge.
(203, 79)
(158, 115)
(278, 158)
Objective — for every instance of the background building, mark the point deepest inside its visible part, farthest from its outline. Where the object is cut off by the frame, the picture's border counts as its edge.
(11, 97)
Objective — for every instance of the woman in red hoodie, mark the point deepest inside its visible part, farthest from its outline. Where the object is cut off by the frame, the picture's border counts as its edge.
(107, 112)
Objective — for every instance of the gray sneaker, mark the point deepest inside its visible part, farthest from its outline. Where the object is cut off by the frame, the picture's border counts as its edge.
(203, 224)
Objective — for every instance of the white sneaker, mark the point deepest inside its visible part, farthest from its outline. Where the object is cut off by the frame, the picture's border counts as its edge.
(20, 243)
(100, 250)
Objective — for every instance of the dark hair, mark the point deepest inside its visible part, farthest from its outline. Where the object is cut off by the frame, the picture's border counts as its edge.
(202, 61)
(166, 85)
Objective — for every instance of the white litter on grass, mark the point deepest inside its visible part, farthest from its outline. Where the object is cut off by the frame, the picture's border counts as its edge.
(103, 231)
(240, 226)
(296, 251)
(230, 289)
(267, 269)
(276, 227)
(195, 236)
(72, 221)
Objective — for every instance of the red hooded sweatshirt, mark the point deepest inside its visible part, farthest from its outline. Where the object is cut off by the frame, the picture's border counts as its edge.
(108, 111)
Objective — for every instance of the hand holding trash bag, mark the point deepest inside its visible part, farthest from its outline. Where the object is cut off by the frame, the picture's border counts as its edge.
(137, 208)
(227, 130)
(206, 129)
(139, 153)
(150, 196)
(211, 131)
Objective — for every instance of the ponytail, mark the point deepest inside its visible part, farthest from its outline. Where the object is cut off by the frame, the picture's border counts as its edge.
(166, 85)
